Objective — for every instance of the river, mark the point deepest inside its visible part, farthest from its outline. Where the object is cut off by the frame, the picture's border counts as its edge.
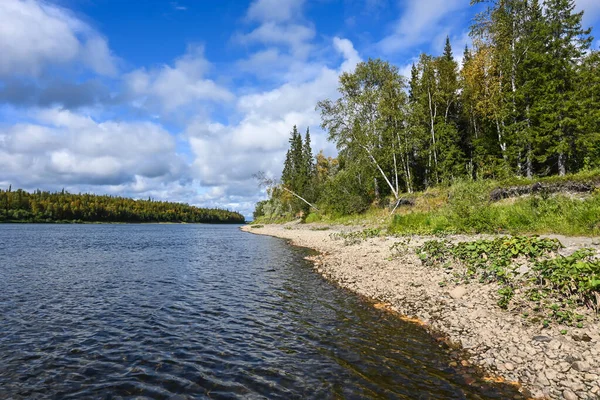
(196, 311)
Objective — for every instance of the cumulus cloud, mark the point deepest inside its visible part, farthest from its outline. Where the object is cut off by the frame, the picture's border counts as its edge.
(274, 10)
(62, 147)
(55, 92)
(293, 35)
(281, 26)
(226, 156)
(171, 87)
(35, 35)
(419, 19)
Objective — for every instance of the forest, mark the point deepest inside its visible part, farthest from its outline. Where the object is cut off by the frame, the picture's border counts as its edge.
(523, 103)
(39, 206)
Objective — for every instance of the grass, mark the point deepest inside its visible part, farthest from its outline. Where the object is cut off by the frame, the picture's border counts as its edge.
(466, 208)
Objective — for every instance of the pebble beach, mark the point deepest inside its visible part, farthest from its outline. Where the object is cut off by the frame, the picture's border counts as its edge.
(546, 362)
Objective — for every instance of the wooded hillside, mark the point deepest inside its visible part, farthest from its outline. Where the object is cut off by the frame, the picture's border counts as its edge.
(22, 206)
(524, 102)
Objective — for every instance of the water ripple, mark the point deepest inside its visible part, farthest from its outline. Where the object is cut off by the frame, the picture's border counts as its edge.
(189, 311)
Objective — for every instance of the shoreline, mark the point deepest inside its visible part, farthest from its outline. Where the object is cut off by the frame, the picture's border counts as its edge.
(546, 362)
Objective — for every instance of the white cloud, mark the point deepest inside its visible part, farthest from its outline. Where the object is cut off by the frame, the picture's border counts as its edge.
(274, 10)
(226, 156)
(419, 20)
(61, 147)
(281, 25)
(294, 36)
(346, 48)
(171, 87)
(36, 34)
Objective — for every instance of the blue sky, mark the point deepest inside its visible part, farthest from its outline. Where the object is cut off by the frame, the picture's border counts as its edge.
(185, 100)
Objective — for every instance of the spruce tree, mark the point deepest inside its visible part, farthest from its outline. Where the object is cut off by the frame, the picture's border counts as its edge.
(567, 44)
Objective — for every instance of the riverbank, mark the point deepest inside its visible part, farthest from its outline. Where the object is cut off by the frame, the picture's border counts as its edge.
(552, 361)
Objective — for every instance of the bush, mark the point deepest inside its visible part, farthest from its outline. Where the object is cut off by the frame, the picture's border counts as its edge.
(313, 217)
(342, 195)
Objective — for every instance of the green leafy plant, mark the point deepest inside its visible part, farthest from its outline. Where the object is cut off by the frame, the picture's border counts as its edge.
(435, 252)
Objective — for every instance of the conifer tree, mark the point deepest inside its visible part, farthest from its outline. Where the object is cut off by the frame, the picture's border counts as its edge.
(567, 44)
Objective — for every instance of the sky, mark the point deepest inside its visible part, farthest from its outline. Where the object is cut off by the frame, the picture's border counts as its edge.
(186, 100)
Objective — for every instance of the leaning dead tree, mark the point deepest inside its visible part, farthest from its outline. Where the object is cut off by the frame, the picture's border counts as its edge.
(270, 183)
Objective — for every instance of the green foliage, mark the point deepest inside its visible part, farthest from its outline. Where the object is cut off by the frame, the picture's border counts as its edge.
(524, 106)
(312, 217)
(290, 197)
(435, 252)
(491, 260)
(22, 206)
(469, 210)
(575, 275)
(259, 209)
(571, 280)
(343, 195)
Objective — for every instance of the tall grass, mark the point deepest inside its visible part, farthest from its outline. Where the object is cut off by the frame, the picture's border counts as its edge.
(469, 210)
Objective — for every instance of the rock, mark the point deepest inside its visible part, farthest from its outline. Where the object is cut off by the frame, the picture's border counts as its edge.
(542, 339)
(581, 366)
(551, 374)
(542, 380)
(509, 366)
(569, 395)
(523, 269)
(554, 345)
(583, 338)
(590, 377)
(564, 366)
(517, 360)
(538, 366)
(458, 292)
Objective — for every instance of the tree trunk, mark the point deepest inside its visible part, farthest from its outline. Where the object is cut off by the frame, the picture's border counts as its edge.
(381, 171)
(562, 168)
(529, 163)
(301, 198)
(432, 115)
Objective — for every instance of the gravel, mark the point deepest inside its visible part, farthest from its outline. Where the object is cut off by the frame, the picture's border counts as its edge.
(546, 362)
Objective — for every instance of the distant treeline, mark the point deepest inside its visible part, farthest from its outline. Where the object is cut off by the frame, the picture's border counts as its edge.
(22, 206)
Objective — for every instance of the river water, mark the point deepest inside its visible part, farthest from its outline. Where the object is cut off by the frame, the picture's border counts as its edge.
(196, 311)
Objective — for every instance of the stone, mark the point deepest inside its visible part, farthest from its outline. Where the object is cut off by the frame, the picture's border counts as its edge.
(509, 366)
(581, 366)
(564, 366)
(584, 338)
(551, 374)
(523, 269)
(542, 339)
(554, 345)
(569, 395)
(590, 377)
(517, 360)
(458, 292)
(542, 380)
